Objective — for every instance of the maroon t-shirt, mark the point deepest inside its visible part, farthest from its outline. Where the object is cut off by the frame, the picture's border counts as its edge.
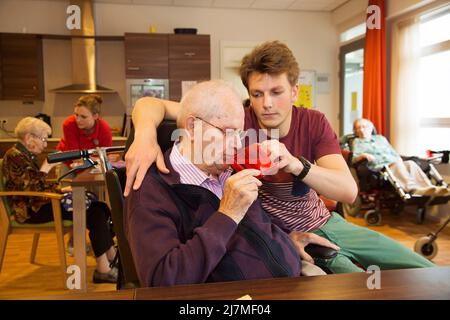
(310, 134)
(312, 137)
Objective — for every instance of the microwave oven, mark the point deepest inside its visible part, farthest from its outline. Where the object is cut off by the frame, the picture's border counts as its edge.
(138, 88)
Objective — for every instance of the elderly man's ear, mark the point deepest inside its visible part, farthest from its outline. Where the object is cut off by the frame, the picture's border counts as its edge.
(189, 125)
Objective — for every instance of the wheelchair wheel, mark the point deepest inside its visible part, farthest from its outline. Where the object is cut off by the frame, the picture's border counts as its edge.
(426, 248)
(352, 209)
(373, 217)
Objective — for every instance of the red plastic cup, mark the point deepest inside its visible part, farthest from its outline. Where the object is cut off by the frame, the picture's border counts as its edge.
(251, 157)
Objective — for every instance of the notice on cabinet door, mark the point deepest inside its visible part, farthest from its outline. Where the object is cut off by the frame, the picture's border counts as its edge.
(185, 86)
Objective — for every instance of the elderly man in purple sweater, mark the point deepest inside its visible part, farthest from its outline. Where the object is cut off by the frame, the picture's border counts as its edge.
(199, 223)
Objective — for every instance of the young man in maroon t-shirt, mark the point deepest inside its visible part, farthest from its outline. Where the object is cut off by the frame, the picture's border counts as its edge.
(307, 155)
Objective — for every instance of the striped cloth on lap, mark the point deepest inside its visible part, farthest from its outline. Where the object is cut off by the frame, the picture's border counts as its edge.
(301, 213)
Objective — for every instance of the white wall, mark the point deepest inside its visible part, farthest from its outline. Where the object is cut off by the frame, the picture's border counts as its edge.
(33, 16)
(49, 17)
(350, 14)
(311, 36)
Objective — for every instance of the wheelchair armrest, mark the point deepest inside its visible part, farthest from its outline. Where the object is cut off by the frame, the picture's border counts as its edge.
(362, 162)
(320, 252)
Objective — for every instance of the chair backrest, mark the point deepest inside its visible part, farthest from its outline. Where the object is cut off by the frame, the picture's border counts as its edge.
(4, 200)
(2, 181)
(164, 133)
(115, 181)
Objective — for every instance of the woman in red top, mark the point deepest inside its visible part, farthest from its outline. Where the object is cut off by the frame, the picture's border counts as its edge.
(85, 129)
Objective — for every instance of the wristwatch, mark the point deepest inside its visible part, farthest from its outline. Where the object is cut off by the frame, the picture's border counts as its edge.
(306, 166)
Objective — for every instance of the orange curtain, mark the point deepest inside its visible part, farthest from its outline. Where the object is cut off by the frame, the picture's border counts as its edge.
(374, 86)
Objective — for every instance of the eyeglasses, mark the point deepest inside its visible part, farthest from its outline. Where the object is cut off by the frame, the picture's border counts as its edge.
(237, 132)
(40, 138)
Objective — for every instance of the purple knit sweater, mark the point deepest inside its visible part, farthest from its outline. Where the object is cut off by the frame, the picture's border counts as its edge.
(178, 236)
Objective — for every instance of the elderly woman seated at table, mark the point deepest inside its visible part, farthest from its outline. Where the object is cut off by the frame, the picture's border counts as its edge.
(379, 152)
(22, 173)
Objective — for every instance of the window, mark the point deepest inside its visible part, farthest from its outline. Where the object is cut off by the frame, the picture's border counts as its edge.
(353, 33)
(434, 80)
(351, 56)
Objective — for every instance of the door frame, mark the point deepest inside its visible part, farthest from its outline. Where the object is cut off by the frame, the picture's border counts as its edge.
(343, 50)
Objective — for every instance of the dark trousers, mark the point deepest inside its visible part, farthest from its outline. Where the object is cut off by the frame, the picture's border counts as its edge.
(96, 222)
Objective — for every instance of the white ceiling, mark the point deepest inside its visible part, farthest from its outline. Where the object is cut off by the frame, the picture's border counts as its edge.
(294, 5)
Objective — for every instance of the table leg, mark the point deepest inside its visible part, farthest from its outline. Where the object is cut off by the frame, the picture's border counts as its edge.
(79, 233)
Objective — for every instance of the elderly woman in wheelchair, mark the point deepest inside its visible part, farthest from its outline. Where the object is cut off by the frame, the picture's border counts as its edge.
(387, 180)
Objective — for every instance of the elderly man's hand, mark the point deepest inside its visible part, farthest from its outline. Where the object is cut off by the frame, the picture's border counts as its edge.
(142, 153)
(241, 190)
(302, 239)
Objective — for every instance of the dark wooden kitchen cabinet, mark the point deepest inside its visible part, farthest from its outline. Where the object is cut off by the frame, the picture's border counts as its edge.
(22, 76)
(177, 57)
(189, 60)
(146, 56)
(189, 47)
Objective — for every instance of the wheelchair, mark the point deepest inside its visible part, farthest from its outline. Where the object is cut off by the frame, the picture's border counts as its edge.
(427, 246)
(380, 190)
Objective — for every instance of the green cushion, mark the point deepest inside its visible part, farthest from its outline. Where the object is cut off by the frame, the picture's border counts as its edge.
(15, 224)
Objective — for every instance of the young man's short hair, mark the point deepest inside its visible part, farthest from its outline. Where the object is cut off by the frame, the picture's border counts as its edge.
(273, 58)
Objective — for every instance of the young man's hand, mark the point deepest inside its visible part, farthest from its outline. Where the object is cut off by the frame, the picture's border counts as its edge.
(281, 158)
(143, 152)
(302, 239)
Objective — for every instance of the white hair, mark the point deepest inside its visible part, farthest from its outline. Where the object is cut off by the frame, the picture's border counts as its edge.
(367, 121)
(206, 100)
(31, 125)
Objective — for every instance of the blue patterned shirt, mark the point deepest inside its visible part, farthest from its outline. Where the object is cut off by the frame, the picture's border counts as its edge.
(377, 146)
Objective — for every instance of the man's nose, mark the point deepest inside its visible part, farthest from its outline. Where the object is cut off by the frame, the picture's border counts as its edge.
(267, 101)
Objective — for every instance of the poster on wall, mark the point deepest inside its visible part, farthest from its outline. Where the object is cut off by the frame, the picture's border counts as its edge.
(306, 89)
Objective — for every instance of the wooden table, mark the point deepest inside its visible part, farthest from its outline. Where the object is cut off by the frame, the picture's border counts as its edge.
(429, 283)
(79, 183)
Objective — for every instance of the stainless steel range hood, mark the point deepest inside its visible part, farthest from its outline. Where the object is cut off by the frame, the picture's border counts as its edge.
(84, 55)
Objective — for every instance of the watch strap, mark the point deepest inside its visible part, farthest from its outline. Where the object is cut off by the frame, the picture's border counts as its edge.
(306, 167)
